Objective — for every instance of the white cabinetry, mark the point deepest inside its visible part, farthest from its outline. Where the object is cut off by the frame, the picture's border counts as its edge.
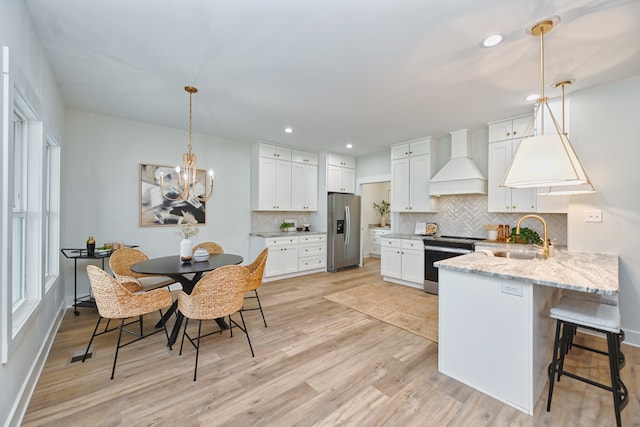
(411, 165)
(504, 138)
(271, 178)
(304, 181)
(341, 173)
(291, 256)
(283, 256)
(312, 252)
(402, 261)
(375, 236)
(283, 179)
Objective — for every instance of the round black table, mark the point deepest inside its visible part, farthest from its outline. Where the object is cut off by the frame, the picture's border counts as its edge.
(187, 274)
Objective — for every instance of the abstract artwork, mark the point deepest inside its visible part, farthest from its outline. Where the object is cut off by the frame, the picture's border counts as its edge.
(157, 210)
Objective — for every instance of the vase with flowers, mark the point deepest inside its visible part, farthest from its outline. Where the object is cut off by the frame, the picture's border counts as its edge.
(383, 208)
(187, 231)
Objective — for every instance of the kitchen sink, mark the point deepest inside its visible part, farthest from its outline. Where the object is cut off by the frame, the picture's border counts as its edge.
(514, 255)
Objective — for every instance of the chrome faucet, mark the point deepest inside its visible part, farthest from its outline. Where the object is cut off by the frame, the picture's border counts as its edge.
(545, 241)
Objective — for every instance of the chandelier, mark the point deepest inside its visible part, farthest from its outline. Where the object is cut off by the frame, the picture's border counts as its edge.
(544, 160)
(187, 186)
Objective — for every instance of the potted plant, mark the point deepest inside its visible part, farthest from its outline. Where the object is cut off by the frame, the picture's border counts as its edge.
(287, 226)
(383, 209)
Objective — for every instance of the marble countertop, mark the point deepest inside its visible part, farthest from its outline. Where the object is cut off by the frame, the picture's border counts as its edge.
(285, 233)
(580, 271)
(405, 236)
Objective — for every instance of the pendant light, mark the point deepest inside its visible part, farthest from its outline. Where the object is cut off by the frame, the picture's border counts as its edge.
(544, 160)
(187, 187)
(565, 190)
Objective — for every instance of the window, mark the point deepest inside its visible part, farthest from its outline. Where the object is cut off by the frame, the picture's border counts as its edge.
(27, 174)
(51, 212)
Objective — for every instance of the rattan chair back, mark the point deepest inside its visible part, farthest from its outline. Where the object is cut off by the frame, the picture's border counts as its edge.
(121, 261)
(211, 247)
(256, 270)
(115, 301)
(218, 294)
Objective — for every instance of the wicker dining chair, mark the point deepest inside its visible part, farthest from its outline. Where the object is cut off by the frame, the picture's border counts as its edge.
(211, 247)
(120, 263)
(218, 294)
(256, 270)
(115, 301)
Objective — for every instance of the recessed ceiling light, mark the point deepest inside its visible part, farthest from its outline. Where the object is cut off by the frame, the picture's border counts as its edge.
(492, 40)
(349, 145)
(532, 97)
(288, 130)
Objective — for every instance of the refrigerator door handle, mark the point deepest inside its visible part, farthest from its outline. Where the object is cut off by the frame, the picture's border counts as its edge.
(347, 217)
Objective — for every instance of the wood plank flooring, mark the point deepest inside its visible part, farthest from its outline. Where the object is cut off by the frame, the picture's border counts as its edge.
(317, 364)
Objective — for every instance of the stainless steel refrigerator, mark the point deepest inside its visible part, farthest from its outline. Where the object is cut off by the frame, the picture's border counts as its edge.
(343, 231)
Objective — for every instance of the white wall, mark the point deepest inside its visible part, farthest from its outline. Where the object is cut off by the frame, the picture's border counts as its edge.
(27, 350)
(101, 186)
(604, 133)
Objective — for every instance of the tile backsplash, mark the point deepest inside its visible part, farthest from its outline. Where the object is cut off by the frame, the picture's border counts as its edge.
(466, 215)
(463, 215)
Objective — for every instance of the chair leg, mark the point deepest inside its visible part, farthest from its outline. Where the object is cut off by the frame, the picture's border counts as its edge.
(195, 371)
(553, 365)
(260, 306)
(115, 358)
(619, 390)
(92, 337)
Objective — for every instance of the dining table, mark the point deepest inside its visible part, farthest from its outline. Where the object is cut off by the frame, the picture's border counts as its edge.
(187, 274)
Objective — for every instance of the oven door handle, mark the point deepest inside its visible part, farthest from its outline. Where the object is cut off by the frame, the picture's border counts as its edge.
(448, 250)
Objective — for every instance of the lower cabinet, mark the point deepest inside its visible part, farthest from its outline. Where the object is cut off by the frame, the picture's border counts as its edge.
(402, 261)
(375, 239)
(292, 256)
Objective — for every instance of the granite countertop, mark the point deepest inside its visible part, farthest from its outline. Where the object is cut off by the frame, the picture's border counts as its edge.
(285, 233)
(405, 236)
(580, 271)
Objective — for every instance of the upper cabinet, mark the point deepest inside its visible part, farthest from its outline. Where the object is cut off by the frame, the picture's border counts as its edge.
(341, 173)
(504, 138)
(283, 179)
(411, 169)
(304, 181)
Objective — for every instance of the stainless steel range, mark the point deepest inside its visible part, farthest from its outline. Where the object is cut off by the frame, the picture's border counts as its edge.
(439, 248)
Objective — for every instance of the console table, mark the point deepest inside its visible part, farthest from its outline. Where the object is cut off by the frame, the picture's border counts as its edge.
(76, 254)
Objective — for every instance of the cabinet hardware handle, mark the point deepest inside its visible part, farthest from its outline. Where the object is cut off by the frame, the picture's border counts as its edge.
(514, 133)
(508, 133)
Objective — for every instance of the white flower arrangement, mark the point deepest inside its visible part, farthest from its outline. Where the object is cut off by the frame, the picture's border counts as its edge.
(188, 226)
(188, 230)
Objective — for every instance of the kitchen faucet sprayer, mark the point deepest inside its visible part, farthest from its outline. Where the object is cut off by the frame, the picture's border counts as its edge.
(545, 240)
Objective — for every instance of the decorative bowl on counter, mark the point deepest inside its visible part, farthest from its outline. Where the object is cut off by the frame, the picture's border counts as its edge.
(200, 255)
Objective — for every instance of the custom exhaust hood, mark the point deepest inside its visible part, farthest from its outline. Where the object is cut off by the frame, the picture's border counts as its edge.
(459, 175)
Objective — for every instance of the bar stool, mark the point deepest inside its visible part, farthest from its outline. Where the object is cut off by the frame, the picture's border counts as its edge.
(601, 299)
(572, 313)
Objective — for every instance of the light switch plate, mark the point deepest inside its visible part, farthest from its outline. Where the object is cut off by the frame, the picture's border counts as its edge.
(593, 216)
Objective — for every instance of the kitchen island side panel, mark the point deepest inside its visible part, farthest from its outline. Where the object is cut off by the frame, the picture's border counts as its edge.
(494, 335)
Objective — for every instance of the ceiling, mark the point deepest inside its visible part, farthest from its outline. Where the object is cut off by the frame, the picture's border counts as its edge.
(366, 72)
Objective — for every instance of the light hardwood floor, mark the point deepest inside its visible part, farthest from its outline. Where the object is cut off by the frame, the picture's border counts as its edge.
(317, 363)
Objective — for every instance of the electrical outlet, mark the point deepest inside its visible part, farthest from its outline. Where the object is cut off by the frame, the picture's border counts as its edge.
(593, 216)
(512, 289)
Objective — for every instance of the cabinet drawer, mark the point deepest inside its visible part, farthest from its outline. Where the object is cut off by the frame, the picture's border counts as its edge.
(304, 157)
(391, 243)
(314, 238)
(375, 250)
(380, 231)
(311, 263)
(311, 250)
(413, 244)
(274, 151)
(280, 241)
(376, 240)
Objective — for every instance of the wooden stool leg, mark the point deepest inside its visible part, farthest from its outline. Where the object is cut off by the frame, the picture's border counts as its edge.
(618, 388)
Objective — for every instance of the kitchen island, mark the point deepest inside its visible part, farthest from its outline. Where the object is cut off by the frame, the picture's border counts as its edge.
(495, 333)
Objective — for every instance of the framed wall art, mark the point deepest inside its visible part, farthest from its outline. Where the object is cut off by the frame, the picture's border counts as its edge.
(157, 210)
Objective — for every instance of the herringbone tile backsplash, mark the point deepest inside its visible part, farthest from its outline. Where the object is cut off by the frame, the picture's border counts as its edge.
(463, 215)
(466, 215)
